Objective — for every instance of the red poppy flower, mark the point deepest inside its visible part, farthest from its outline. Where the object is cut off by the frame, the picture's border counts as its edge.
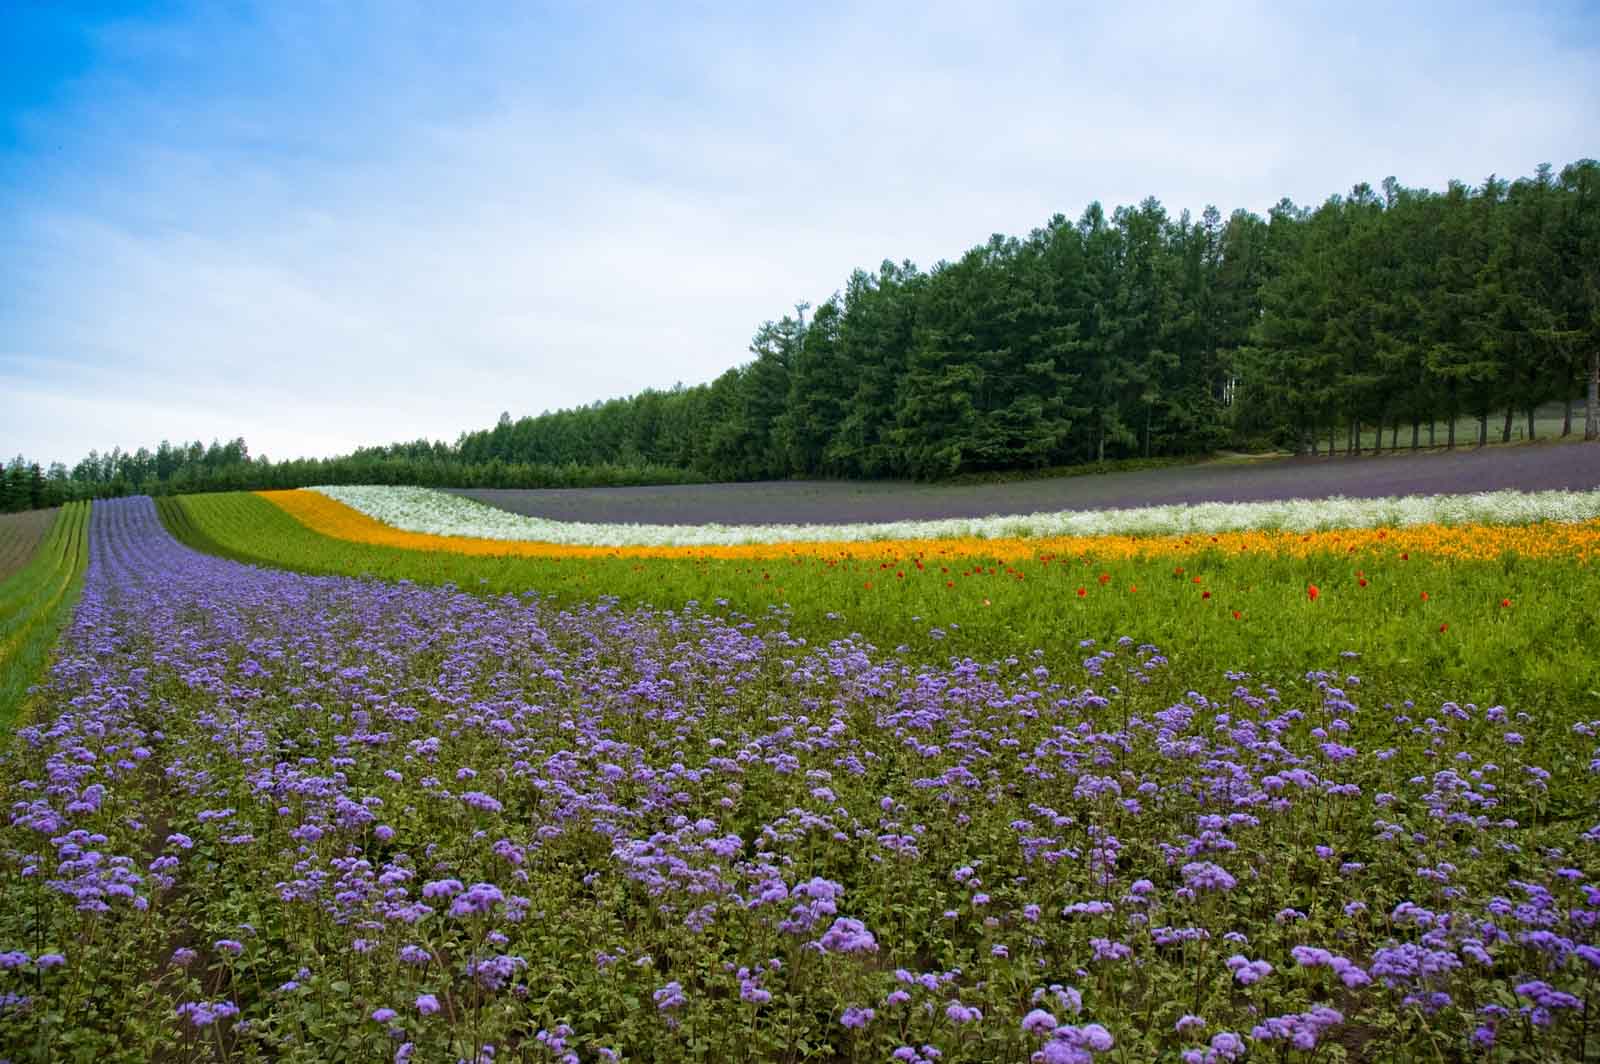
(1236, 615)
(1505, 602)
(1424, 596)
(1442, 627)
(1312, 592)
(1362, 581)
(1082, 592)
(1205, 594)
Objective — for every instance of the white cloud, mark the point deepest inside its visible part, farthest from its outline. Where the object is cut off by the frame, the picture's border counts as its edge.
(405, 230)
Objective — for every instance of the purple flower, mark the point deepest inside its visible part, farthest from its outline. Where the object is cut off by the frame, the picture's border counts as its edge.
(959, 1013)
(1203, 875)
(384, 1015)
(669, 996)
(1039, 1023)
(847, 936)
(442, 888)
(494, 972)
(856, 1018)
(427, 1004)
(205, 1013)
(479, 800)
(1247, 971)
(478, 899)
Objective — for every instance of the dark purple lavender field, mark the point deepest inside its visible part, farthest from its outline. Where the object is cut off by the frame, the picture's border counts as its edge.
(1572, 466)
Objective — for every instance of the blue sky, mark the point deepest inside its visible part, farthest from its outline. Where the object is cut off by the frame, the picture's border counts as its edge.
(322, 225)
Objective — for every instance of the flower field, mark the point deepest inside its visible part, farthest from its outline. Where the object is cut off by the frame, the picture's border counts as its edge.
(1329, 796)
(1422, 605)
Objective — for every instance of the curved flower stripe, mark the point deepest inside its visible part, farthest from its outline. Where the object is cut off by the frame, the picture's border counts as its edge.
(438, 513)
(1549, 539)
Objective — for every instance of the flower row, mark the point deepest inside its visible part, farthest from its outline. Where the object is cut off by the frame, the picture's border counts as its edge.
(383, 517)
(439, 513)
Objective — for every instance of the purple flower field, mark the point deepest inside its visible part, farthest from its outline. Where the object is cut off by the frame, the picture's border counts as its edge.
(266, 816)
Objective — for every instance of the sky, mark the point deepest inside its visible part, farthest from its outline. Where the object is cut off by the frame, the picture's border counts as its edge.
(319, 226)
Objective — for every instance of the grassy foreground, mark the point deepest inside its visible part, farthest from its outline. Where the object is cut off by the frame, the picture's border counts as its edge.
(1499, 628)
(35, 602)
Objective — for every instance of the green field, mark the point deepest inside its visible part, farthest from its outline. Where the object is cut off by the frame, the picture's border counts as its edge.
(36, 602)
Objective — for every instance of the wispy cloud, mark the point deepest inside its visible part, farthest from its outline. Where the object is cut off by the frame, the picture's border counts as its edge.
(323, 225)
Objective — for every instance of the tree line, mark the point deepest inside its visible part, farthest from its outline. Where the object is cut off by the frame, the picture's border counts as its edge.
(1141, 334)
(1134, 334)
(195, 467)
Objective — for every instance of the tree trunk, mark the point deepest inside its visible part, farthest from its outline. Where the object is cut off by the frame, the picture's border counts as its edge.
(1591, 414)
(1431, 423)
(1394, 434)
(1355, 437)
(1450, 434)
(1566, 419)
(1531, 429)
(1505, 432)
(1416, 429)
(1483, 428)
(1331, 439)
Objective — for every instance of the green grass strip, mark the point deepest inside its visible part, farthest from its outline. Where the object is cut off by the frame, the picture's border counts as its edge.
(35, 604)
